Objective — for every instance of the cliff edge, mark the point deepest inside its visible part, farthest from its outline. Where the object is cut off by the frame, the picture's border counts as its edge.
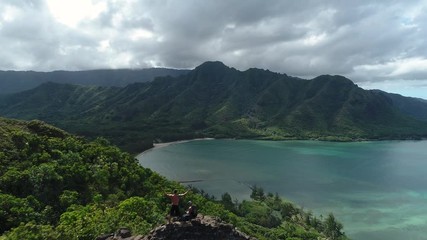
(202, 227)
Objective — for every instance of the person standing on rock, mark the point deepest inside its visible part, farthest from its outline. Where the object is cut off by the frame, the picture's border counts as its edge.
(174, 197)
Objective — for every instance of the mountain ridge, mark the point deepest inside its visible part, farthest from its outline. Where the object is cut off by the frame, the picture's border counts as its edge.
(17, 81)
(214, 100)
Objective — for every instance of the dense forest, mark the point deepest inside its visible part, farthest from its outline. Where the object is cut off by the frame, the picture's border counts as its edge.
(217, 101)
(54, 185)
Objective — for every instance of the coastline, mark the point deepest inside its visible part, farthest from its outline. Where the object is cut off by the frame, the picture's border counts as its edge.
(165, 144)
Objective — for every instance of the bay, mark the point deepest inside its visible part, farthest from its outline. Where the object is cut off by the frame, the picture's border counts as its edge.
(378, 190)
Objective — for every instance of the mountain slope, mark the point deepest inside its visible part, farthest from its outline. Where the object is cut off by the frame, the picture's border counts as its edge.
(54, 185)
(414, 107)
(17, 81)
(214, 100)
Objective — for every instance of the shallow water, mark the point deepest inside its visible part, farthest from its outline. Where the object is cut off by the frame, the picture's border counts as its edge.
(378, 190)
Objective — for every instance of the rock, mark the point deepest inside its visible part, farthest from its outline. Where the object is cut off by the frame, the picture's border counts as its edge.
(121, 234)
(207, 228)
(201, 227)
(104, 236)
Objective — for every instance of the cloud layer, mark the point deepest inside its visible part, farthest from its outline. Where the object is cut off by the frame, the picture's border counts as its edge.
(371, 42)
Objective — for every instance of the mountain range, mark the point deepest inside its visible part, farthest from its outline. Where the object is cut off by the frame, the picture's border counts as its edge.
(214, 100)
(17, 81)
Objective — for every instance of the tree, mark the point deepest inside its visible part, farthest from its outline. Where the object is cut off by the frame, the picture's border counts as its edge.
(13, 211)
(257, 193)
(68, 198)
(32, 231)
(46, 181)
(332, 228)
(16, 182)
(227, 202)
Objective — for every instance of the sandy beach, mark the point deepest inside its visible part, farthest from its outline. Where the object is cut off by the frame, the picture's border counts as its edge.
(160, 145)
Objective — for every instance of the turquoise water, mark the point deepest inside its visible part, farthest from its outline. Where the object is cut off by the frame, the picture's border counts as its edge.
(378, 190)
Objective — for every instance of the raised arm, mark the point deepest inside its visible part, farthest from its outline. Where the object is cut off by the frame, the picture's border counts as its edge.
(183, 194)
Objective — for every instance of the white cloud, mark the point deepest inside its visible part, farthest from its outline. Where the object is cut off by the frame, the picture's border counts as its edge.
(72, 12)
(363, 40)
(9, 13)
(406, 68)
(138, 34)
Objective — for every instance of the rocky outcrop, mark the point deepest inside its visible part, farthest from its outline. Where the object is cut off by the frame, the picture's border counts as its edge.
(202, 227)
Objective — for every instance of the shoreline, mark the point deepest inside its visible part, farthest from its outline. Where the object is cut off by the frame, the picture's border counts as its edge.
(165, 144)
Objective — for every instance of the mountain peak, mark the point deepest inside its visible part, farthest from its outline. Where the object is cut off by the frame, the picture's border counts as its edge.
(211, 71)
(214, 65)
(335, 79)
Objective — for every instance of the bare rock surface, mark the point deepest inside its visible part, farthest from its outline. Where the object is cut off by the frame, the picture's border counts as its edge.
(201, 227)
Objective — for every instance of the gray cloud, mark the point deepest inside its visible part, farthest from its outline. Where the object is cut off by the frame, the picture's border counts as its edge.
(371, 42)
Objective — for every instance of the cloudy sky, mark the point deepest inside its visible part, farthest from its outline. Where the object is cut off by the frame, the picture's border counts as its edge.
(377, 44)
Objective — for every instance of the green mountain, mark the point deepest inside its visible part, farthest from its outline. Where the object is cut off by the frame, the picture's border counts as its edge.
(54, 185)
(17, 81)
(414, 107)
(214, 100)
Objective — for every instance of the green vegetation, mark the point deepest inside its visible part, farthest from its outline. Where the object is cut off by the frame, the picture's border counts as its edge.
(17, 81)
(56, 186)
(220, 102)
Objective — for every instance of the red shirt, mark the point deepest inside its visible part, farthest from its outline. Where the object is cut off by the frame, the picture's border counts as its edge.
(174, 198)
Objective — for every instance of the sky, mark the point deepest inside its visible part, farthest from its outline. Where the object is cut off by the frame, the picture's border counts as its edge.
(376, 44)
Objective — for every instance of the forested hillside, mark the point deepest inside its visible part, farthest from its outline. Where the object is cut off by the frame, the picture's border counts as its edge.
(214, 100)
(17, 81)
(54, 185)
